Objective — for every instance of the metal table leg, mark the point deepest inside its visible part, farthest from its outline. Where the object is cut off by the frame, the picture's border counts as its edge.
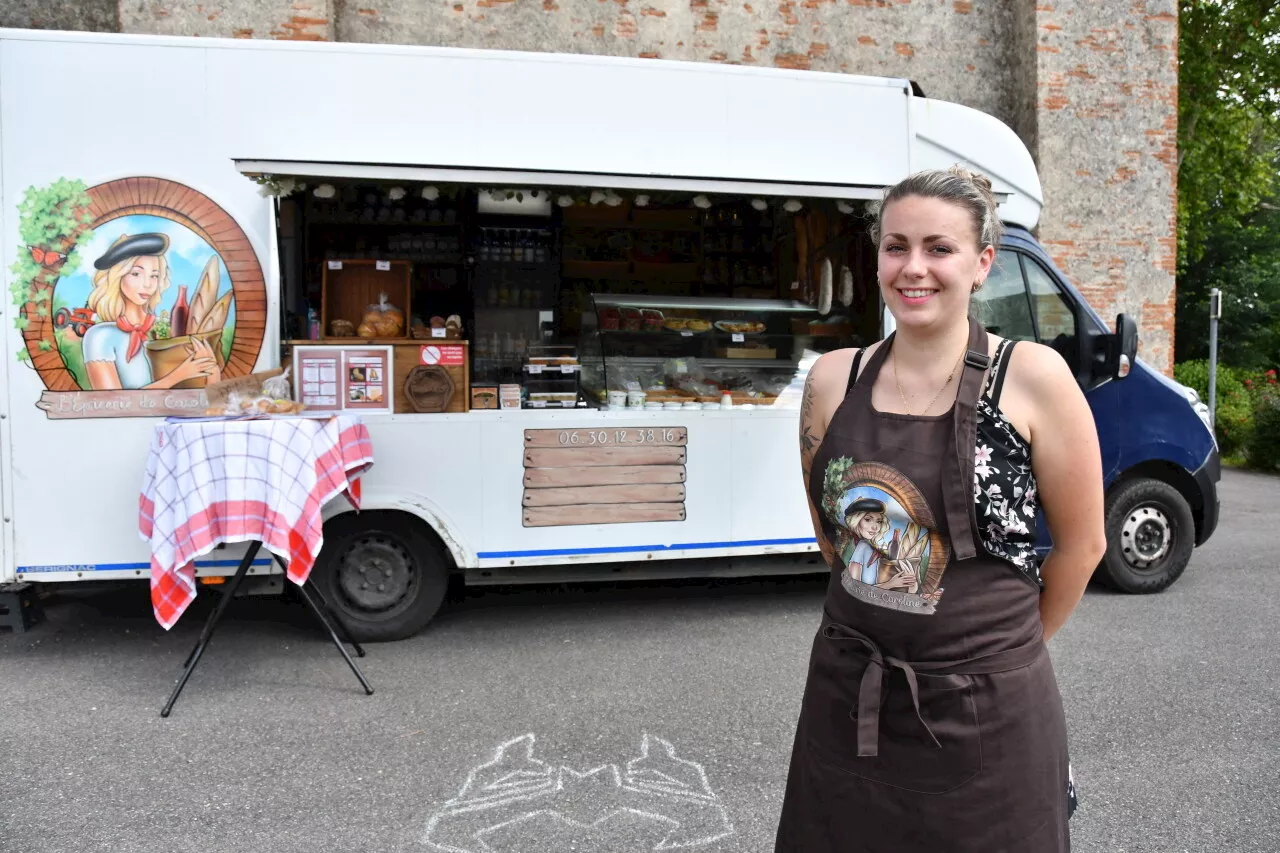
(332, 617)
(308, 589)
(212, 622)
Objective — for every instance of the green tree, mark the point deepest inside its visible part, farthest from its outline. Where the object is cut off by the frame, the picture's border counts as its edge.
(1228, 116)
(1229, 179)
(1243, 261)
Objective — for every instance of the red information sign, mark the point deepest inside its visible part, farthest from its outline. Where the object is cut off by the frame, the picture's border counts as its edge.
(449, 355)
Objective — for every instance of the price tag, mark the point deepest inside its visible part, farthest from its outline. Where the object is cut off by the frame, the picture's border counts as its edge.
(568, 368)
(438, 333)
(536, 368)
(335, 265)
(537, 404)
(383, 266)
(686, 334)
(738, 337)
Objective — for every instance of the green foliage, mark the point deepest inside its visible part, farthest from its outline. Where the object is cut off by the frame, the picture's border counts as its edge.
(47, 218)
(1240, 392)
(1244, 263)
(1228, 116)
(1264, 448)
(228, 335)
(54, 218)
(833, 484)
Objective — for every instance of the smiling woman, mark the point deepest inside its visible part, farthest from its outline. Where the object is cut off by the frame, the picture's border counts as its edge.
(900, 465)
(131, 277)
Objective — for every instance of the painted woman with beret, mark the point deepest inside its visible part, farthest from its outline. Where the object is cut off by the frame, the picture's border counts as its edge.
(130, 279)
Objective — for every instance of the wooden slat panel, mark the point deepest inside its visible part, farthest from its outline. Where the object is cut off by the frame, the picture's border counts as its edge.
(563, 516)
(611, 437)
(594, 456)
(646, 493)
(603, 475)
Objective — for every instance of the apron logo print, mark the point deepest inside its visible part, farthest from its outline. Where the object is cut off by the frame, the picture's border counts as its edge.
(515, 798)
(886, 537)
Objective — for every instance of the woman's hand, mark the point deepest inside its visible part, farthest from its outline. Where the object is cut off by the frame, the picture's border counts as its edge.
(904, 578)
(200, 362)
(202, 351)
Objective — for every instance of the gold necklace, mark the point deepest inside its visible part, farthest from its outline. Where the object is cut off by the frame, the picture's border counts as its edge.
(903, 395)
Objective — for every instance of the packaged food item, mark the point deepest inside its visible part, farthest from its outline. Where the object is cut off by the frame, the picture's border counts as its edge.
(342, 329)
(651, 320)
(632, 320)
(382, 320)
(509, 396)
(610, 319)
(238, 404)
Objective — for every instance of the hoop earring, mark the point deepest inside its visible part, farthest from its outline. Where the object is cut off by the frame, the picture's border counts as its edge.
(977, 285)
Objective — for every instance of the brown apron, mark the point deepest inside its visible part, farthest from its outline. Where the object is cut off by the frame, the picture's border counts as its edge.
(931, 718)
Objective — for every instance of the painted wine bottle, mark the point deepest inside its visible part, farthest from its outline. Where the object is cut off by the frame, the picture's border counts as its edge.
(181, 312)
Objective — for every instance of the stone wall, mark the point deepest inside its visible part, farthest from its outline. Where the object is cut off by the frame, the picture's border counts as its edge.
(1107, 145)
(1090, 85)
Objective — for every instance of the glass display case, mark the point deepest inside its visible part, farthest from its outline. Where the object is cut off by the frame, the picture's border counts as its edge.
(690, 352)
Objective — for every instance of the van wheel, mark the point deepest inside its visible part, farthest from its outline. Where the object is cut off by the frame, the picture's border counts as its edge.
(1150, 536)
(383, 573)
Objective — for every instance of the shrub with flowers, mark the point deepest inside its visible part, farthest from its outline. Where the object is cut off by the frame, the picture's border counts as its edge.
(1240, 393)
(1264, 444)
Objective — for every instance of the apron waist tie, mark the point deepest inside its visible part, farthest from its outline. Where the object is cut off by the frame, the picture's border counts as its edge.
(870, 688)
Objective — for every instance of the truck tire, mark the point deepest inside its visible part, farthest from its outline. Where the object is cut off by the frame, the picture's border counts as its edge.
(383, 574)
(1150, 536)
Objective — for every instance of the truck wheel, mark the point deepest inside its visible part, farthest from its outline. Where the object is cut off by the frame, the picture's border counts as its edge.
(383, 573)
(1150, 536)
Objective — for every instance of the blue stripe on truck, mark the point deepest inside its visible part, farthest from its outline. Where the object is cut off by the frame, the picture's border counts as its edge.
(633, 549)
(126, 567)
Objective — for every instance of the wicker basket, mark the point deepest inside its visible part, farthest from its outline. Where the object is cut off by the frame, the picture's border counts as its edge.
(428, 389)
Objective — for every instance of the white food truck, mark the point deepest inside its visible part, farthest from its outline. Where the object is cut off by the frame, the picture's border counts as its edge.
(602, 281)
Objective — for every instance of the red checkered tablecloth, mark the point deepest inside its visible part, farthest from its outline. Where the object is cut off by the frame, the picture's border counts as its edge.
(210, 482)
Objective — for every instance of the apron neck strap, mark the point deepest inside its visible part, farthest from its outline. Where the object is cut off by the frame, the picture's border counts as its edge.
(957, 490)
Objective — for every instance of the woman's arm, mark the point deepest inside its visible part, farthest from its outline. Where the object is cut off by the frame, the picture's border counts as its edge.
(823, 391)
(102, 375)
(1067, 464)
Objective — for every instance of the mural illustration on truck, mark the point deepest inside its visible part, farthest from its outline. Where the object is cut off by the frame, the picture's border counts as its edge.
(132, 296)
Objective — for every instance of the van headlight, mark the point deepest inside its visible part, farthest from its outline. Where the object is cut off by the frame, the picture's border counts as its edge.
(1201, 409)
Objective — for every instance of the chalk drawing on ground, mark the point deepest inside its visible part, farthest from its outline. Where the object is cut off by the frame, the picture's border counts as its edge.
(657, 799)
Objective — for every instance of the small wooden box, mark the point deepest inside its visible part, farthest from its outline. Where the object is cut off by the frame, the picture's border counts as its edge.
(349, 287)
(484, 396)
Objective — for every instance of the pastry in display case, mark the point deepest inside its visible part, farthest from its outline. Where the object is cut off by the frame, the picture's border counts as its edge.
(641, 351)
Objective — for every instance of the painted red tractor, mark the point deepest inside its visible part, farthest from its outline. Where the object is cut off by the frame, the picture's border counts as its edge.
(77, 319)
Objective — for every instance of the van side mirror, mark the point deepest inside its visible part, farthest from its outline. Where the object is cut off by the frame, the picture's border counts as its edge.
(1125, 346)
(1112, 355)
(1107, 356)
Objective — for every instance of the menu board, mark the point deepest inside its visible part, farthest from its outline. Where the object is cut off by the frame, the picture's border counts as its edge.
(344, 378)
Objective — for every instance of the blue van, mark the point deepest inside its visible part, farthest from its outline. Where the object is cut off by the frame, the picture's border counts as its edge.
(1159, 456)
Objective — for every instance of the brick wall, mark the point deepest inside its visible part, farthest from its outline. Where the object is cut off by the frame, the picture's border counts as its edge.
(1107, 96)
(1090, 85)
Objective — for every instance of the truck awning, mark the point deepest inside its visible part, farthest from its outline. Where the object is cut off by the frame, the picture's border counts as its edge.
(501, 178)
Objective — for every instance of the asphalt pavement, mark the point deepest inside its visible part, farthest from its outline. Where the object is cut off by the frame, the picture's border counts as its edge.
(599, 719)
